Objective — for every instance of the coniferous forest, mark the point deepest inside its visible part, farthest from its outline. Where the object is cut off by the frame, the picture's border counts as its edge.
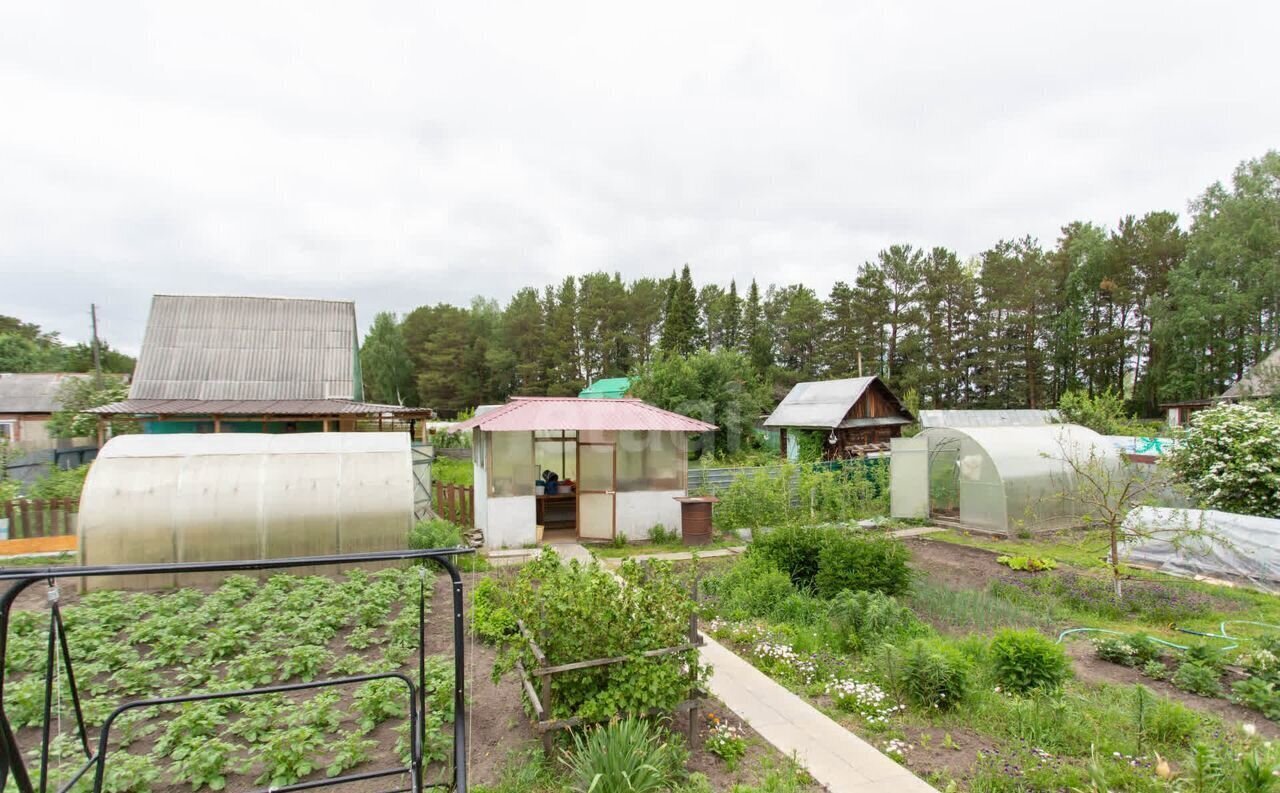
(1159, 307)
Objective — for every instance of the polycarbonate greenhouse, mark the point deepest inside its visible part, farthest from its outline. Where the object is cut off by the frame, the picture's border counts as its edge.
(999, 479)
(206, 497)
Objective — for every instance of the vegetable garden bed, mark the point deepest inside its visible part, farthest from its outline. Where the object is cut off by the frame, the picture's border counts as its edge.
(975, 698)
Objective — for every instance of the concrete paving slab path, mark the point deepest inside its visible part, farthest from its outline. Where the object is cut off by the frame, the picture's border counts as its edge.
(832, 755)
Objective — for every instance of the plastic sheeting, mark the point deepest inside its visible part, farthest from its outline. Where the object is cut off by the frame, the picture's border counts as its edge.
(1206, 542)
(196, 498)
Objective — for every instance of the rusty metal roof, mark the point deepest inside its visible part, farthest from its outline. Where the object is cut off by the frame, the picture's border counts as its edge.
(31, 393)
(253, 407)
(240, 348)
(575, 413)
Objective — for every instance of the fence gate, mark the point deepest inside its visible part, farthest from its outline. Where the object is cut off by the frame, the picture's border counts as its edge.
(423, 454)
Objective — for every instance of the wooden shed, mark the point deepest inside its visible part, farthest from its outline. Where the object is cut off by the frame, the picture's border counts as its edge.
(859, 415)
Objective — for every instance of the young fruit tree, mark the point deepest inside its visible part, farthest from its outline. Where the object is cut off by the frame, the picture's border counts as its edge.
(1104, 486)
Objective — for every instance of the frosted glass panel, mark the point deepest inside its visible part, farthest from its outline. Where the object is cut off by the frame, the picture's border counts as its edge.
(558, 456)
(513, 471)
(595, 516)
(595, 467)
(650, 461)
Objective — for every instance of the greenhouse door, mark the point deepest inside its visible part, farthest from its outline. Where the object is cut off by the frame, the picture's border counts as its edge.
(597, 483)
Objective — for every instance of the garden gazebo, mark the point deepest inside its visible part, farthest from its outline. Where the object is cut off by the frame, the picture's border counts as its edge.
(619, 465)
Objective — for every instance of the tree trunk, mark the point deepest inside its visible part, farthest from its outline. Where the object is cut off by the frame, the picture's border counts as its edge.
(1115, 563)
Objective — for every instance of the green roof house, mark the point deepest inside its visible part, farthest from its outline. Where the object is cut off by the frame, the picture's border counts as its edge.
(609, 388)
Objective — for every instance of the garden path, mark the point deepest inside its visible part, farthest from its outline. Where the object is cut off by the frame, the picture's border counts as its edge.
(832, 755)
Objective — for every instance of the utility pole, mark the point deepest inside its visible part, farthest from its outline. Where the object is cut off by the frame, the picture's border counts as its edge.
(97, 358)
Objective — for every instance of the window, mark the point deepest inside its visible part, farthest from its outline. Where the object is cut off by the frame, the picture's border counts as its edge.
(8, 430)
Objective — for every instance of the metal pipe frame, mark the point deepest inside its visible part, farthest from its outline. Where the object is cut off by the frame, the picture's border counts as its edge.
(11, 759)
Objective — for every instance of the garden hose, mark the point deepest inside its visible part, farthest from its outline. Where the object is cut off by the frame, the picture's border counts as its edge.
(1222, 631)
(1070, 631)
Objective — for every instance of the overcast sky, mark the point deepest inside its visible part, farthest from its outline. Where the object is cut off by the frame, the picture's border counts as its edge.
(407, 153)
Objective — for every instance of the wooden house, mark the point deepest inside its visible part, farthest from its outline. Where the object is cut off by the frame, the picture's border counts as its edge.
(858, 415)
(252, 364)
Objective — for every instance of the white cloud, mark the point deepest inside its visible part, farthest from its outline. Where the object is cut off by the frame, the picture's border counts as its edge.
(405, 153)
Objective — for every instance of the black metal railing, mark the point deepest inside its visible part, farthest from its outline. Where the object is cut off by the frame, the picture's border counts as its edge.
(12, 762)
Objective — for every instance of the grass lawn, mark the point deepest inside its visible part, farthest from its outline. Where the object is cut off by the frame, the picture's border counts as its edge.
(610, 551)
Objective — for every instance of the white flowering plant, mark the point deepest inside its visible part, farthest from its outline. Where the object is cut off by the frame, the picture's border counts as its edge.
(1230, 460)
(865, 699)
(725, 740)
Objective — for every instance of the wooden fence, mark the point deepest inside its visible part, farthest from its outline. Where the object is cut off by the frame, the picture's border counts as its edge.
(40, 517)
(456, 503)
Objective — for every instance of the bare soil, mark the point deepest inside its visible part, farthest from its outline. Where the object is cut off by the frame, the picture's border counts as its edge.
(956, 566)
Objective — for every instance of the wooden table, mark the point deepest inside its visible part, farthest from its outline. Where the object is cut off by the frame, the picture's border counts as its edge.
(555, 498)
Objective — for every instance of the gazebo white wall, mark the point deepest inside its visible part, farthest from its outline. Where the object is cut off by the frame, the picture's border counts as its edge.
(194, 497)
(1017, 478)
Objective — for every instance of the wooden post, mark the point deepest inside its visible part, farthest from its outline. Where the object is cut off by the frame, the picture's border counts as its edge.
(693, 667)
(217, 424)
(471, 507)
(102, 430)
(40, 505)
(548, 743)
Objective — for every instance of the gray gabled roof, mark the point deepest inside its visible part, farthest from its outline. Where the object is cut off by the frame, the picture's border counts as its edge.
(31, 393)
(823, 404)
(238, 348)
(1260, 381)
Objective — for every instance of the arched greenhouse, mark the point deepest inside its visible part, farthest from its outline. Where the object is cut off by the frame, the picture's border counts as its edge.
(999, 479)
(211, 497)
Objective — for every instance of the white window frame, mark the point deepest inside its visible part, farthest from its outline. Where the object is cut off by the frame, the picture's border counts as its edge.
(9, 430)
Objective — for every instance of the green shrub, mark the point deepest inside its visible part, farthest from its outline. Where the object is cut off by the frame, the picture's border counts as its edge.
(792, 549)
(1259, 694)
(753, 587)
(648, 609)
(933, 674)
(1156, 670)
(435, 533)
(60, 483)
(625, 756)
(1198, 679)
(492, 619)
(862, 563)
(862, 620)
(1023, 661)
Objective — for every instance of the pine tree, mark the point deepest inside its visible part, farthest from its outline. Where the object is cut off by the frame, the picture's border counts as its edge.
(682, 331)
(385, 366)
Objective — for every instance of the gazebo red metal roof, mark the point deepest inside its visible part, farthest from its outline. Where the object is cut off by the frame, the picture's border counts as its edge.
(524, 414)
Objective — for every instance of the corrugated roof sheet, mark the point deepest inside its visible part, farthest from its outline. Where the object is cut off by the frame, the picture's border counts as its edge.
(1260, 381)
(31, 393)
(199, 347)
(988, 418)
(823, 404)
(251, 407)
(574, 413)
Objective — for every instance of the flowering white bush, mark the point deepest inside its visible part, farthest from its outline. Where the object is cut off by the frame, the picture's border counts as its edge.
(1230, 460)
(779, 657)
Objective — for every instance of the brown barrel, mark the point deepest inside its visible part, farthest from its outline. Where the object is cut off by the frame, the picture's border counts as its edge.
(695, 519)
